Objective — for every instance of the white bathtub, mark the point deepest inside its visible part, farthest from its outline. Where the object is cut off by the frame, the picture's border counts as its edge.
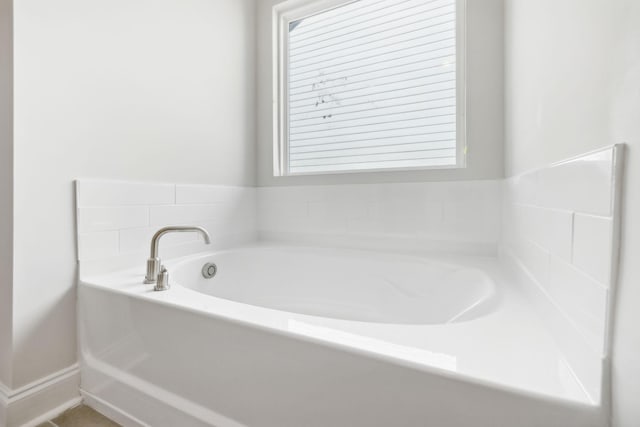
(347, 285)
(293, 336)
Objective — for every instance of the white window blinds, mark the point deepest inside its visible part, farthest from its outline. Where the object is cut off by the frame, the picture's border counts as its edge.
(372, 85)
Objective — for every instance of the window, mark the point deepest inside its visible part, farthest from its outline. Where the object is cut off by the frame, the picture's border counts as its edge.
(369, 85)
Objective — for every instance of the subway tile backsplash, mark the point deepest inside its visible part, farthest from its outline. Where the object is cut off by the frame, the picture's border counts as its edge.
(111, 218)
(459, 216)
(592, 245)
(117, 219)
(559, 231)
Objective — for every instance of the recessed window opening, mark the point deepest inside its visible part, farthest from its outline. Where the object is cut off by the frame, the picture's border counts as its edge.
(369, 85)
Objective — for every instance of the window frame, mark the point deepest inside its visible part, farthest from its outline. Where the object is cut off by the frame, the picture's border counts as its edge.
(293, 10)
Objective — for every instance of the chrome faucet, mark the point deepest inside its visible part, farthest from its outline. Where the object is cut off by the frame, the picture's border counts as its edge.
(154, 264)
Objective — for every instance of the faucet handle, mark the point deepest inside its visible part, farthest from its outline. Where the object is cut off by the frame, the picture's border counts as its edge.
(163, 280)
(153, 269)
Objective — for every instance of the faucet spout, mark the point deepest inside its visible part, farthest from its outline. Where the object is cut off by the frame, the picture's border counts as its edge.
(155, 240)
(153, 264)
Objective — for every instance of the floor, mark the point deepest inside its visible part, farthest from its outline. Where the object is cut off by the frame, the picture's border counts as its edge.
(80, 416)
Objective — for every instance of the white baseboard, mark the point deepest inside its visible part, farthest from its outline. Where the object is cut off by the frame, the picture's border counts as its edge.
(41, 400)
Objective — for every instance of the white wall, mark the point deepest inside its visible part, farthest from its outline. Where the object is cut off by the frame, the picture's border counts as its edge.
(572, 85)
(6, 188)
(484, 100)
(557, 80)
(145, 90)
(625, 126)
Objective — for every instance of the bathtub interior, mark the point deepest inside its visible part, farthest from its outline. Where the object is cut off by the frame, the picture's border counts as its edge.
(343, 284)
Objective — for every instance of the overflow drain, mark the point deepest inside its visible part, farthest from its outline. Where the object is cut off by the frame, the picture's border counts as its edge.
(209, 270)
